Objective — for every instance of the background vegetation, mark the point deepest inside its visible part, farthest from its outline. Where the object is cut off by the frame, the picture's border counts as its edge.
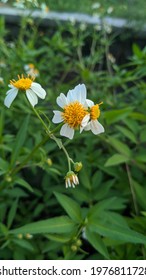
(105, 216)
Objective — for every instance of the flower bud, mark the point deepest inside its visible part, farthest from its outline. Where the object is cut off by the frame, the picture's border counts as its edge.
(78, 166)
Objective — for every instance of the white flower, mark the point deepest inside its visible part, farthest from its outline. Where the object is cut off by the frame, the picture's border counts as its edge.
(71, 179)
(110, 10)
(96, 5)
(90, 121)
(33, 90)
(74, 110)
(31, 70)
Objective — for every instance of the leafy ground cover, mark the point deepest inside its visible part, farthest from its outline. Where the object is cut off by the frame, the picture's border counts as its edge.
(104, 217)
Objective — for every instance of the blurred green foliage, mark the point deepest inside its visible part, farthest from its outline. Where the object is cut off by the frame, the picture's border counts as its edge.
(105, 216)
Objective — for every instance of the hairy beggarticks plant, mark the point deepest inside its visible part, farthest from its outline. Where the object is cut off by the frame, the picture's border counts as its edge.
(78, 112)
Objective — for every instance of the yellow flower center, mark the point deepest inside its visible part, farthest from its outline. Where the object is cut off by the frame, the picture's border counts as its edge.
(22, 83)
(73, 114)
(95, 111)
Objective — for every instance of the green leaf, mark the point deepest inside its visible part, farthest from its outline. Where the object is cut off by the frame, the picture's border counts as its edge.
(70, 206)
(3, 165)
(53, 225)
(140, 194)
(137, 51)
(24, 244)
(129, 134)
(138, 116)
(121, 147)
(141, 156)
(116, 159)
(58, 238)
(143, 134)
(117, 232)
(106, 204)
(96, 241)
(24, 184)
(12, 213)
(116, 115)
(3, 229)
(20, 139)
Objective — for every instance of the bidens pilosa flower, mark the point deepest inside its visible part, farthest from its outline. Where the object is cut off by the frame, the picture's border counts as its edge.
(31, 70)
(71, 179)
(33, 90)
(90, 121)
(74, 110)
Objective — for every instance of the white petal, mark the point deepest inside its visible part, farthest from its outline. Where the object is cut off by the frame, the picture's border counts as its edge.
(77, 94)
(84, 122)
(87, 127)
(62, 100)
(57, 117)
(11, 95)
(36, 84)
(96, 127)
(89, 103)
(32, 97)
(38, 90)
(67, 131)
(11, 86)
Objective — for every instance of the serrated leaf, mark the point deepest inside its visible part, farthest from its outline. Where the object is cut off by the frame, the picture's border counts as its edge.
(58, 238)
(3, 165)
(20, 139)
(96, 241)
(3, 229)
(138, 116)
(116, 115)
(106, 204)
(117, 232)
(140, 192)
(24, 184)
(121, 147)
(126, 132)
(71, 207)
(116, 159)
(12, 213)
(141, 157)
(53, 225)
(24, 244)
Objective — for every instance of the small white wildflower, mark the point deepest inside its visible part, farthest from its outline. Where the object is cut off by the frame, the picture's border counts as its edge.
(90, 121)
(31, 70)
(74, 110)
(33, 90)
(96, 6)
(71, 179)
(110, 10)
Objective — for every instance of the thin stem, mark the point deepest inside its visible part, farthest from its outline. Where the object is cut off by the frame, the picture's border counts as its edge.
(68, 158)
(63, 148)
(132, 189)
(41, 120)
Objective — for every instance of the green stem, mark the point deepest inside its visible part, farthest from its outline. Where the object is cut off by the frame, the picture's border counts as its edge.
(63, 148)
(41, 120)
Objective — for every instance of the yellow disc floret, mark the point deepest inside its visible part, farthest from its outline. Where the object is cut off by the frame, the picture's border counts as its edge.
(73, 114)
(23, 83)
(95, 111)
